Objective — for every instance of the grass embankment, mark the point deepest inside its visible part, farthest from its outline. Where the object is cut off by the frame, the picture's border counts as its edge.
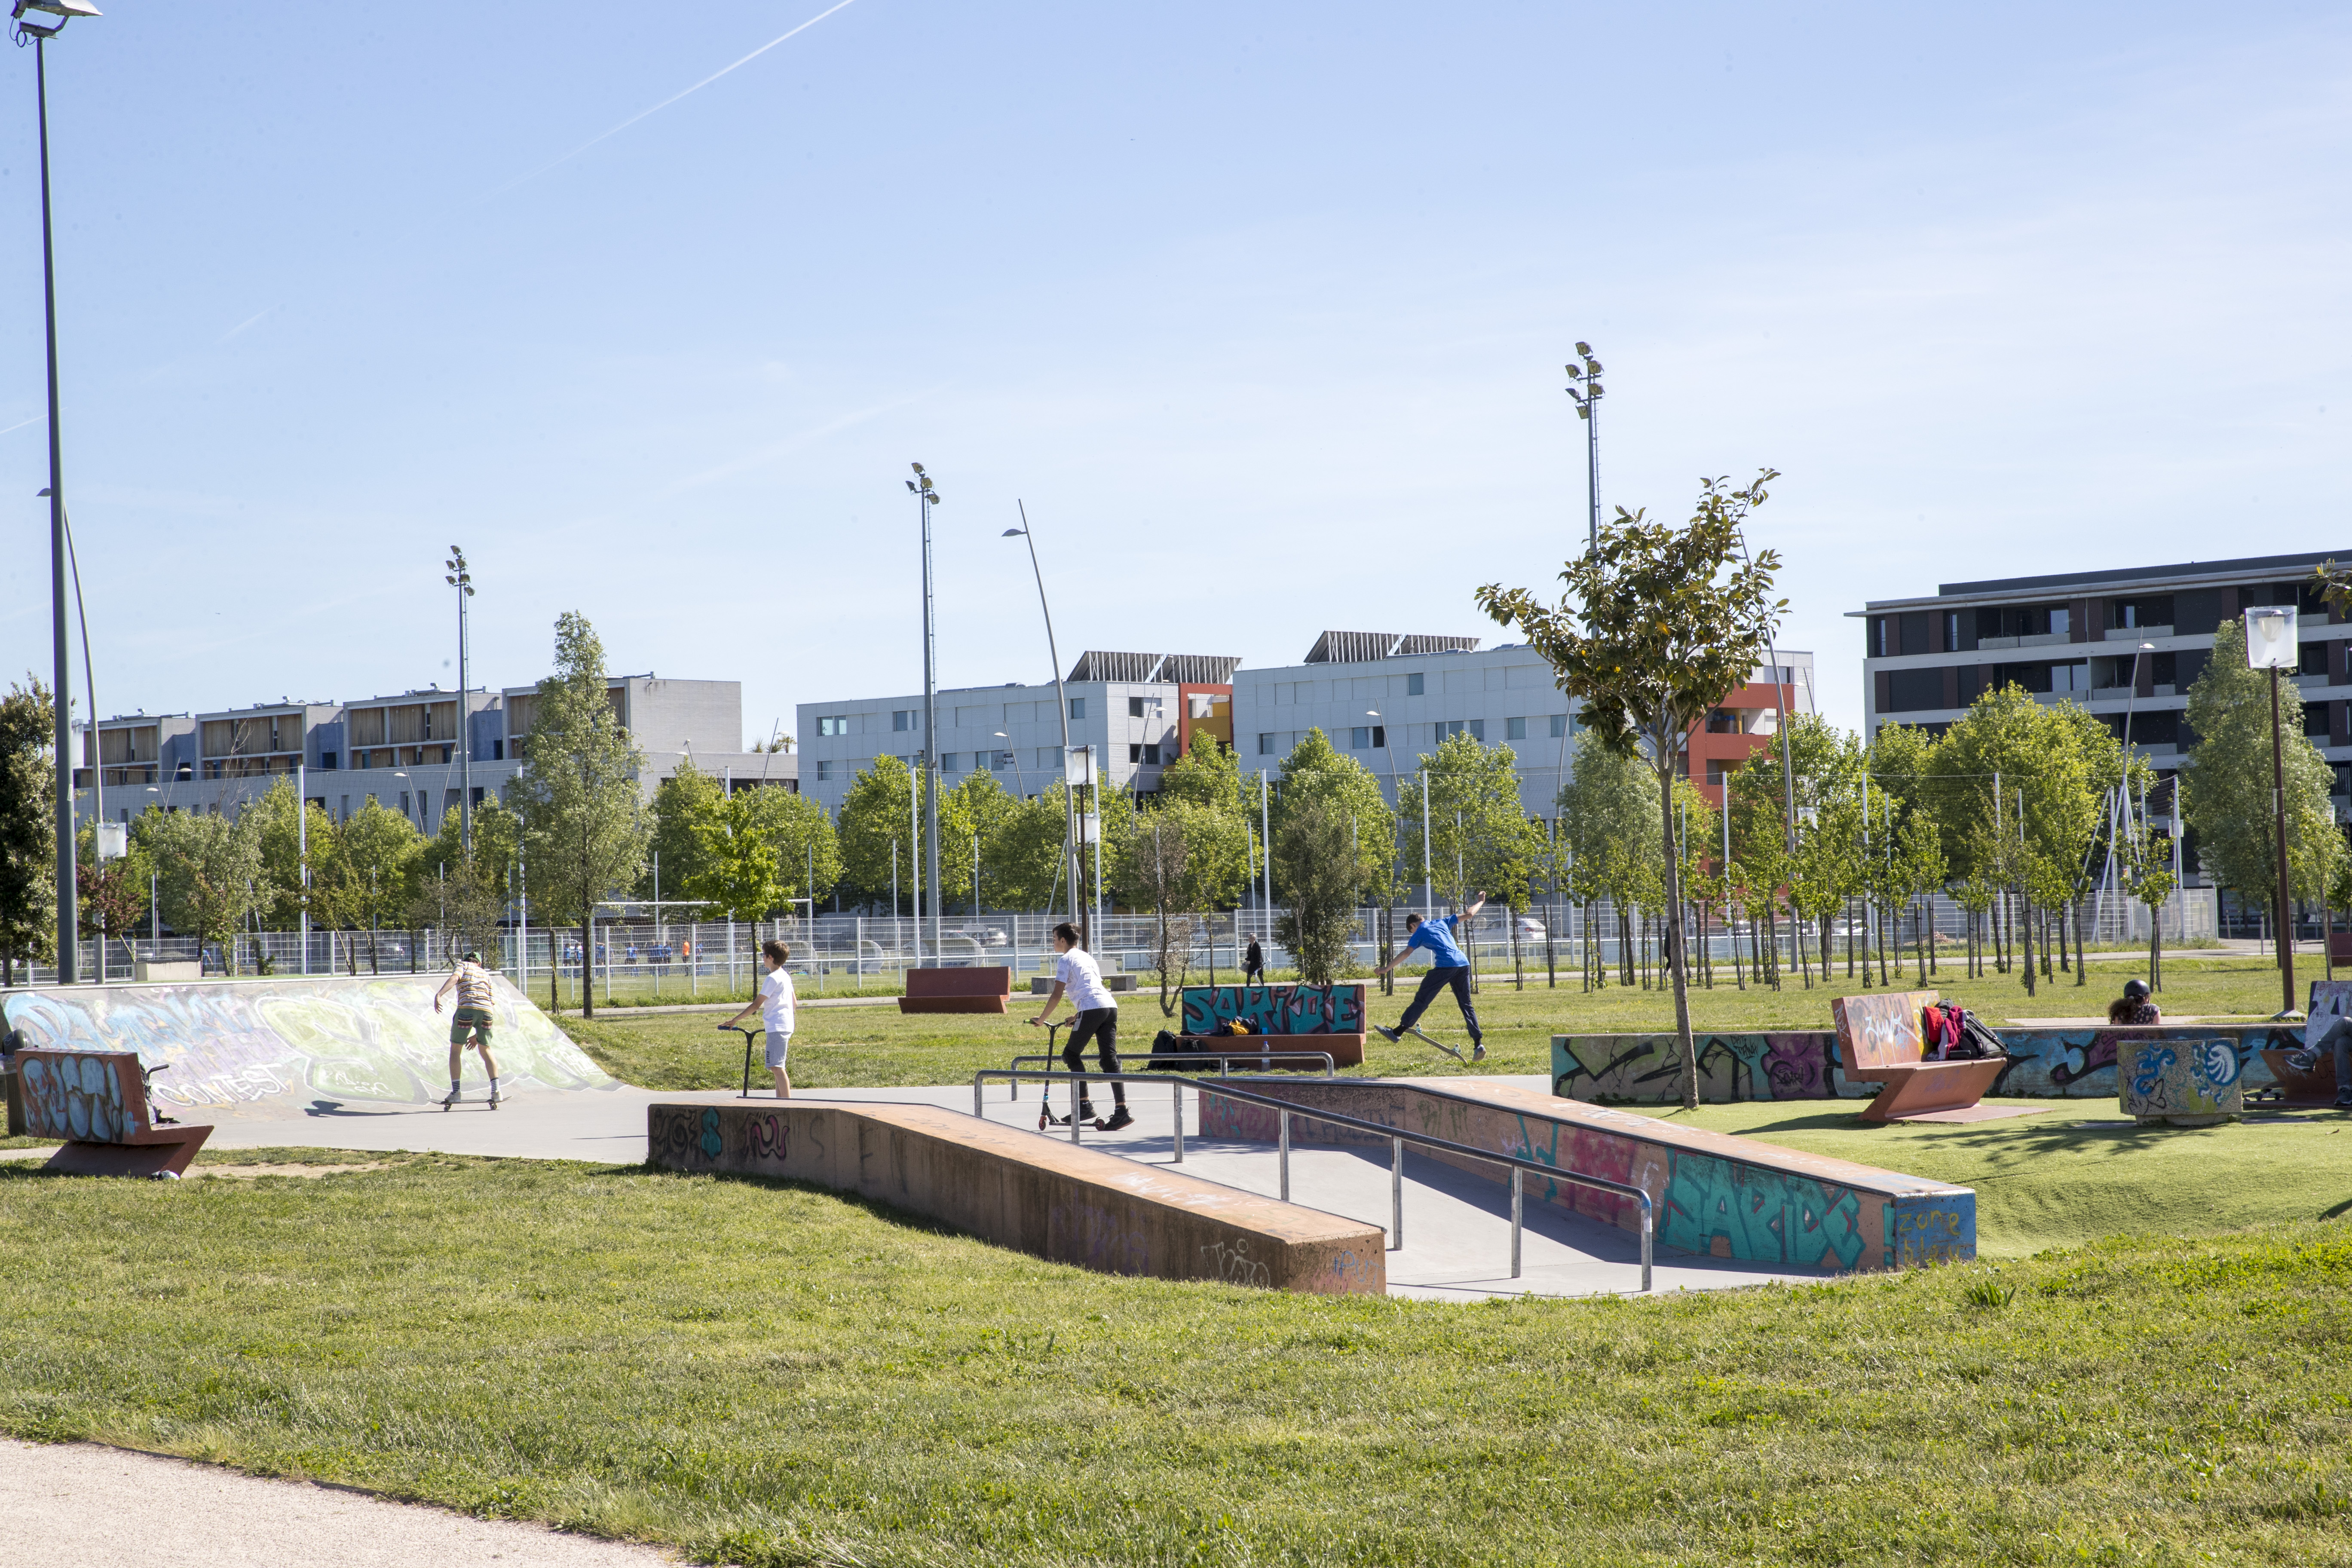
(877, 1047)
(769, 1375)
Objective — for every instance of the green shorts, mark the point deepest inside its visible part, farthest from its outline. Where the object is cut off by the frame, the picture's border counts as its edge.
(471, 1025)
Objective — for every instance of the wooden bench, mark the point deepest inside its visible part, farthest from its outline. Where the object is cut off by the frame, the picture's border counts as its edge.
(96, 1101)
(1312, 1017)
(1880, 1041)
(979, 989)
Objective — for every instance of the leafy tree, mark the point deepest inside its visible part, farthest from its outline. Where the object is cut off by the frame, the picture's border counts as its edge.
(28, 889)
(682, 811)
(1608, 832)
(735, 859)
(1023, 853)
(1658, 626)
(1152, 868)
(803, 840)
(275, 817)
(1318, 860)
(210, 873)
(1205, 785)
(1480, 837)
(877, 818)
(2227, 788)
(363, 882)
(1318, 775)
(584, 824)
(110, 899)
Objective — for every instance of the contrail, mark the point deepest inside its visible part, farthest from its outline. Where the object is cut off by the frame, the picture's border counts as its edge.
(664, 103)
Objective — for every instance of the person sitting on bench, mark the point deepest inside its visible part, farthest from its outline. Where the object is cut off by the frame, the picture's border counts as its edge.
(2329, 1024)
(2133, 1007)
(1447, 967)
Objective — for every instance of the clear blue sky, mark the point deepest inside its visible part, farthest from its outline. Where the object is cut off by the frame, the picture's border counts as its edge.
(1261, 309)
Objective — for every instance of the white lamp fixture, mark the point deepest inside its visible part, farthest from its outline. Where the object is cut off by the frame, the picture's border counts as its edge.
(2271, 638)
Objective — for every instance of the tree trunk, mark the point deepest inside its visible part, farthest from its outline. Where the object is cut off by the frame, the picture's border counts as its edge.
(588, 965)
(1689, 1049)
(2025, 940)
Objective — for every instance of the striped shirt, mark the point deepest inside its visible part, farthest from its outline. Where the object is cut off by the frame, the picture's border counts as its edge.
(473, 986)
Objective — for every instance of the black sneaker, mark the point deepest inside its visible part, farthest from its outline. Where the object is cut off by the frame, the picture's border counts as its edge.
(1120, 1116)
(1391, 1035)
(1086, 1111)
(2343, 1100)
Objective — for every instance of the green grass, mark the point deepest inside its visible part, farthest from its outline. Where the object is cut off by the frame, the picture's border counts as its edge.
(2070, 1175)
(877, 1047)
(770, 1374)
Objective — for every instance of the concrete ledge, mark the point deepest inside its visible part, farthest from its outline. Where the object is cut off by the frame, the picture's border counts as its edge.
(1711, 1193)
(1066, 1203)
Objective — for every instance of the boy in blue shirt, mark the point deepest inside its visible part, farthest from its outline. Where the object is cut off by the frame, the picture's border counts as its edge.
(1446, 967)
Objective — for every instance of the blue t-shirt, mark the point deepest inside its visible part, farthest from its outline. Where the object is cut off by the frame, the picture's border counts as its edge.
(1437, 936)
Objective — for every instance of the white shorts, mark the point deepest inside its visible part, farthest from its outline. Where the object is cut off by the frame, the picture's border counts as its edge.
(777, 1046)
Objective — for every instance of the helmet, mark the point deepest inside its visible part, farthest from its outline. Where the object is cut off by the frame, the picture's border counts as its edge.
(2135, 990)
(474, 956)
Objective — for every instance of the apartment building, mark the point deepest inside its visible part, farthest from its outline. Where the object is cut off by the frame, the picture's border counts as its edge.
(1135, 709)
(2125, 642)
(1388, 699)
(404, 750)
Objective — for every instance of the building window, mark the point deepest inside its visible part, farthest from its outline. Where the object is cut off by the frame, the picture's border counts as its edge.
(1515, 729)
(1559, 725)
(326, 761)
(1879, 636)
(1360, 739)
(947, 762)
(1475, 728)
(1952, 631)
(1078, 707)
(907, 718)
(2060, 618)
(833, 724)
(824, 771)
(1722, 721)
(1266, 744)
(1720, 769)
(1412, 685)
(2070, 677)
(1134, 752)
(1151, 753)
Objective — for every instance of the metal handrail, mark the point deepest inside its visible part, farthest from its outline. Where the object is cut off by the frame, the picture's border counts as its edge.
(1286, 1110)
(1265, 1060)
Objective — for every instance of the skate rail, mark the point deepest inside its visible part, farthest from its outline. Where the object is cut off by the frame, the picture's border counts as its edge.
(1285, 1109)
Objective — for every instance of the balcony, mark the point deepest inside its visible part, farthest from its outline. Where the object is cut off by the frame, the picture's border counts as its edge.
(2137, 634)
(2046, 640)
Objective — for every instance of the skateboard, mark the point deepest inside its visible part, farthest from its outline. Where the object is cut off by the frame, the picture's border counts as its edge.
(1434, 1044)
(451, 1105)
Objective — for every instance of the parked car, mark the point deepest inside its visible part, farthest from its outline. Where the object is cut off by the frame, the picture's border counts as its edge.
(1531, 929)
(987, 936)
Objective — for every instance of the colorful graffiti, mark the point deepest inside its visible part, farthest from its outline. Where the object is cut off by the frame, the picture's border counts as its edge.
(1711, 1194)
(273, 1046)
(86, 1095)
(1642, 1069)
(1275, 1009)
(2187, 1081)
(1880, 1031)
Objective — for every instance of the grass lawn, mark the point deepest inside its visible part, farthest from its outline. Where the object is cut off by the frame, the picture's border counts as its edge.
(766, 1374)
(875, 1047)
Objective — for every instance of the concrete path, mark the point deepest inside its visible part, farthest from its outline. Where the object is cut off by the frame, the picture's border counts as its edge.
(75, 1505)
(1456, 1226)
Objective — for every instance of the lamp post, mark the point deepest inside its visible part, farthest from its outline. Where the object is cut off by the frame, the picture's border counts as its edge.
(463, 581)
(1387, 913)
(1588, 408)
(67, 918)
(927, 498)
(1061, 706)
(2271, 644)
(1019, 777)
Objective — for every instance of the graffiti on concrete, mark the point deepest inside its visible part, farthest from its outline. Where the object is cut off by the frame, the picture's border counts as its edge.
(2080, 1063)
(86, 1095)
(1230, 1262)
(1275, 1009)
(1084, 1232)
(2181, 1080)
(1642, 1068)
(1724, 1210)
(275, 1044)
(1879, 1031)
(1928, 1230)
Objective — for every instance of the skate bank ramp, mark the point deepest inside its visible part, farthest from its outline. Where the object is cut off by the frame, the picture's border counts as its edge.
(277, 1047)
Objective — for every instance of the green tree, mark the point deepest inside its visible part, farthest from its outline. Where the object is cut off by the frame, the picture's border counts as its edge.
(735, 859)
(877, 829)
(982, 809)
(276, 816)
(808, 854)
(1480, 837)
(2227, 789)
(1317, 863)
(1319, 776)
(585, 823)
(110, 898)
(684, 806)
(210, 873)
(1658, 626)
(28, 889)
(363, 883)
(1025, 854)
(1608, 832)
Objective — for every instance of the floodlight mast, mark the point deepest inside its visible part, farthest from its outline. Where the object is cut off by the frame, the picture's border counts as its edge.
(459, 578)
(68, 922)
(928, 497)
(1588, 408)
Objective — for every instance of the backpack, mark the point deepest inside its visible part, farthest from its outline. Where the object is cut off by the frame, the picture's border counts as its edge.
(1238, 1027)
(1940, 1030)
(1165, 1046)
(1977, 1042)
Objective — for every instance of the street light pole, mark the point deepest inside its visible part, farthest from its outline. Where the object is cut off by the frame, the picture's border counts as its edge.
(463, 581)
(1061, 706)
(928, 497)
(67, 918)
(2270, 644)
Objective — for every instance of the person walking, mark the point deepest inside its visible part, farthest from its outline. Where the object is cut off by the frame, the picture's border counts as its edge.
(774, 1005)
(470, 1023)
(1097, 1020)
(1447, 967)
(1253, 964)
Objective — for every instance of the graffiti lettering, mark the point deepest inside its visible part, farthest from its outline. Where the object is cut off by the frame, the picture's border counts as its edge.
(1230, 1262)
(1275, 1009)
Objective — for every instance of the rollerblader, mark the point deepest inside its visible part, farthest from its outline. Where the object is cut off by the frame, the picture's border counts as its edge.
(1097, 1020)
(469, 1025)
(774, 1005)
(1447, 967)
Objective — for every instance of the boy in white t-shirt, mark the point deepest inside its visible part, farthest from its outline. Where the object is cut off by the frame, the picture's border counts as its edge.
(774, 1005)
(1097, 1020)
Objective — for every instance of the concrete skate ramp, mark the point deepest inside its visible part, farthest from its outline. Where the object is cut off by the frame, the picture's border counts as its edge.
(1044, 1196)
(276, 1046)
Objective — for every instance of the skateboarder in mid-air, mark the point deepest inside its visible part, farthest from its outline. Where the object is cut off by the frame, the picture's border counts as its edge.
(1446, 967)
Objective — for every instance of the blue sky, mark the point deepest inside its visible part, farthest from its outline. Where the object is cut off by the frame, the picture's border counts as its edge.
(1261, 310)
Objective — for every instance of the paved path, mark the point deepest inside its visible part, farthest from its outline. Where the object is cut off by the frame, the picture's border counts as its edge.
(77, 1505)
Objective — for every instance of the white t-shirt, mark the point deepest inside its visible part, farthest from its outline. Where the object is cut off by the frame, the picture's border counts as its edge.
(1081, 980)
(776, 1000)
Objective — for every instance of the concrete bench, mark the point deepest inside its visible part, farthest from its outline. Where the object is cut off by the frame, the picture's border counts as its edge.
(1043, 985)
(96, 1101)
(1713, 1194)
(1309, 1017)
(1044, 1195)
(982, 989)
(1880, 1040)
